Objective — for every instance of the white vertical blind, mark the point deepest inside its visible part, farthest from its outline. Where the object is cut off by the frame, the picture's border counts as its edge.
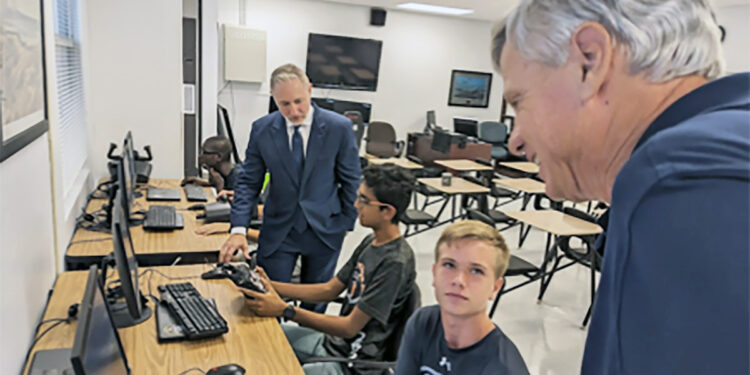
(73, 138)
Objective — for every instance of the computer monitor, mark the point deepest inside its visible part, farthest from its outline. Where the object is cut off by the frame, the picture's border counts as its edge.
(224, 128)
(441, 141)
(128, 163)
(97, 349)
(465, 125)
(133, 310)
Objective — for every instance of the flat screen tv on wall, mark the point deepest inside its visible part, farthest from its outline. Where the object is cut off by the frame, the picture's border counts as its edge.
(342, 62)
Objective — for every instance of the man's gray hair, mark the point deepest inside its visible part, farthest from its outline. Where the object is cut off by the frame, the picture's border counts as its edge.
(663, 39)
(286, 73)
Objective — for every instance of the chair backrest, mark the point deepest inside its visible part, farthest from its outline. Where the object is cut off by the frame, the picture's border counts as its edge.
(381, 139)
(358, 125)
(475, 214)
(493, 132)
(412, 304)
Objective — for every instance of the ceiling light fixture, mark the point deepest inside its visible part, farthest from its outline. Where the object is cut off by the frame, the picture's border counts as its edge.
(419, 7)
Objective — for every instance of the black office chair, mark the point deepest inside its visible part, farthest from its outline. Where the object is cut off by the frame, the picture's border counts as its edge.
(495, 133)
(381, 140)
(358, 125)
(412, 304)
(516, 266)
(426, 191)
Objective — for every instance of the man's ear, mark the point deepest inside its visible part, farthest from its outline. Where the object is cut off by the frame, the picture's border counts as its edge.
(434, 270)
(591, 51)
(496, 288)
(388, 212)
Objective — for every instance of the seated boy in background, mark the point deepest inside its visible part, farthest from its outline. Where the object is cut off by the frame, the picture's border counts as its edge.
(377, 279)
(457, 336)
(215, 157)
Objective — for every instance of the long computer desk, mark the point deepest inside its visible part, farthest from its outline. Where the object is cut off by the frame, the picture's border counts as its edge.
(151, 247)
(257, 344)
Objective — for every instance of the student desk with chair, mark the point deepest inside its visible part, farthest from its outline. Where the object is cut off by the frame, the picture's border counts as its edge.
(152, 247)
(257, 344)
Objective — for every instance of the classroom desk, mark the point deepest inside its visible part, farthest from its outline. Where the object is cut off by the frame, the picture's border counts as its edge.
(524, 185)
(463, 165)
(403, 163)
(257, 344)
(523, 166)
(151, 247)
(458, 186)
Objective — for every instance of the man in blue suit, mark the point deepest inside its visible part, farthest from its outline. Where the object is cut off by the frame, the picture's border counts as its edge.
(313, 161)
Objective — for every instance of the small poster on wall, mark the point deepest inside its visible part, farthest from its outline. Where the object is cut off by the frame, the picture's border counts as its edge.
(470, 89)
(22, 92)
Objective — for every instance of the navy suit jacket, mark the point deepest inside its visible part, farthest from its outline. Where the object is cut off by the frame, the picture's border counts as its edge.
(325, 192)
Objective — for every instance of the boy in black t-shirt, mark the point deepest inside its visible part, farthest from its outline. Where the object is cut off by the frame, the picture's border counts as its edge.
(215, 156)
(377, 280)
(458, 337)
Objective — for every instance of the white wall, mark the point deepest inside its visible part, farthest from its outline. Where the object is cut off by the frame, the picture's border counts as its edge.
(419, 52)
(27, 245)
(736, 19)
(134, 76)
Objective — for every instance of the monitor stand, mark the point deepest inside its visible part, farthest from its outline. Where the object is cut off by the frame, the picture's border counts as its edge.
(56, 361)
(121, 315)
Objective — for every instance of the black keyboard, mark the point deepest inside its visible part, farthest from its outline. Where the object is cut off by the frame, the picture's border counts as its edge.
(197, 316)
(195, 193)
(161, 217)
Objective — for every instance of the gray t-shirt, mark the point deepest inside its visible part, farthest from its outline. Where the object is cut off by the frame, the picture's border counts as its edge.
(389, 272)
(424, 351)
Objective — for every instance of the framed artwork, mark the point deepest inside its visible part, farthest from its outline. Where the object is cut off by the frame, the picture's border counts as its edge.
(23, 110)
(470, 89)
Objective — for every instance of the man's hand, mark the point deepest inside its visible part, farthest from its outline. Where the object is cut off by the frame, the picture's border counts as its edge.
(225, 194)
(234, 242)
(265, 304)
(212, 228)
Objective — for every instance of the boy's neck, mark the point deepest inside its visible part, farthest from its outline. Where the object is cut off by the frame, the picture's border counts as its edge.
(385, 233)
(225, 168)
(464, 331)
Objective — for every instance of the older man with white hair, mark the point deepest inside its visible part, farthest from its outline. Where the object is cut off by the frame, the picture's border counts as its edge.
(621, 101)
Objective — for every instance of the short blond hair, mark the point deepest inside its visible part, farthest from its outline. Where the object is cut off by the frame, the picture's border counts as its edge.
(477, 230)
(288, 72)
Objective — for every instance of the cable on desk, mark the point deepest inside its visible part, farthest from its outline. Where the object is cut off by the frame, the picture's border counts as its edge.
(191, 370)
(57, 321)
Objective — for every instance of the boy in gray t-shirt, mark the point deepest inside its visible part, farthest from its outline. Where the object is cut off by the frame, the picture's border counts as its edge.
(377, 280)
(458, 337)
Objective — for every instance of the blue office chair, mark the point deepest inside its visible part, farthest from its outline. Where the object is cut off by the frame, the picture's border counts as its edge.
(495, 133)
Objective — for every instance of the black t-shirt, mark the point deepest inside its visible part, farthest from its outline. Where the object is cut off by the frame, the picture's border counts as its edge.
(231, 179)
(424, 351)
(389, 272)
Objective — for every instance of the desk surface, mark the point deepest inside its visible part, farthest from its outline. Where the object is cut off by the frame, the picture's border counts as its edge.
(463, 165)
(95, 244)
(458, 186)
(556, 222)
(257, 344)
(526, 185)
(523, 166)
(403, 163)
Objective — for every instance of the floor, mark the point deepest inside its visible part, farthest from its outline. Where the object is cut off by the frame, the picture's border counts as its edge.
(548, 334)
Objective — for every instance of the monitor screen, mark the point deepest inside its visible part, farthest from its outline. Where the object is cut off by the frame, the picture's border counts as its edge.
(343, 62)
(224, 128)
(127, 266)
(128, 164)
(97, 349)
(466, 126)
(441, 141)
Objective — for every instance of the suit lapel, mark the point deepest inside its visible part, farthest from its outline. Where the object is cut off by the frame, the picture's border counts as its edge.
(281, 141)
(314, 144)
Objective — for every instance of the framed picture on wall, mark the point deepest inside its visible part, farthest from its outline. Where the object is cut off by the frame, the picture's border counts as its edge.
(23, 110)
(470, 89)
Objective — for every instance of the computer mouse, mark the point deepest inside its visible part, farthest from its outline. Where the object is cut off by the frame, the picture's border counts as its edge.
(230, 369)
(196, 207)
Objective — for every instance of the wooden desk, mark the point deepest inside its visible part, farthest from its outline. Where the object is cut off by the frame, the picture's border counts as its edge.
(152, 247)
(556, 222)
(525, 185)
(403, 163)
(463, 165)
(257, 344)
(420, 145)
(458, 186)
(523, 166)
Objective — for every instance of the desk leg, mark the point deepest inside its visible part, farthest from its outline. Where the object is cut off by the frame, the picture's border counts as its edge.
(549, 253)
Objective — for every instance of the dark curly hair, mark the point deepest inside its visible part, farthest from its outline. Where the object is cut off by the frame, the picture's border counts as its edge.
(391, 184)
